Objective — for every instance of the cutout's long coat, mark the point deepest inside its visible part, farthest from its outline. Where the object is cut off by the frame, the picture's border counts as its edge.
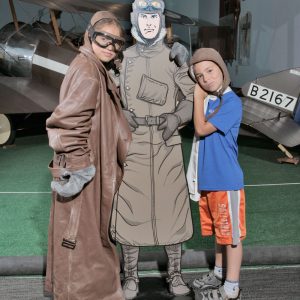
(152, 206)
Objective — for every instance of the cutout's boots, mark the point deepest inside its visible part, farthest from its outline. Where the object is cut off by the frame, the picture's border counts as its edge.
(177, 286)
(131, 280)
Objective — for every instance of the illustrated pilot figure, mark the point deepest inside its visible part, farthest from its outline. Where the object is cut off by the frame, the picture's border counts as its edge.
(152, 206)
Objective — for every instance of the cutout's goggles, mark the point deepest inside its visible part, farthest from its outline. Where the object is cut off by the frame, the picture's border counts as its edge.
(104, 39)
(149, 5)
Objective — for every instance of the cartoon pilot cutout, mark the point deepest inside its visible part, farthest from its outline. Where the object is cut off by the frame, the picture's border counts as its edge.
(152, 206)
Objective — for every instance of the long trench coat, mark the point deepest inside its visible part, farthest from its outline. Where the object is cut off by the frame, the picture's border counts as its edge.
(88, 127)
(152, 205)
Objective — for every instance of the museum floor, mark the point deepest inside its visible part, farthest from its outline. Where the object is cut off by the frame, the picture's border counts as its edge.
(271, 266)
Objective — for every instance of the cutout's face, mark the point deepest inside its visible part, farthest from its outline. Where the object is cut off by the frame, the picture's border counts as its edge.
(208, 75)
(149, 25)
(106, 54)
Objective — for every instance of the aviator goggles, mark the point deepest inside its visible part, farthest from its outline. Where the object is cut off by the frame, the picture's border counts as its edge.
(149, 5)
(104, 39)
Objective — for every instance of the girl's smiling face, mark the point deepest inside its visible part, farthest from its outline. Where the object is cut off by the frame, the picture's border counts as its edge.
(208, 75)
(108, 53)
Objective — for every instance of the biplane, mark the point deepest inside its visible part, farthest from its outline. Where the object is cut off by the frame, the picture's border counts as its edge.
(35, 57)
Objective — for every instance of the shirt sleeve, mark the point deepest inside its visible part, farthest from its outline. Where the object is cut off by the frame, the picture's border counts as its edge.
(228, 116)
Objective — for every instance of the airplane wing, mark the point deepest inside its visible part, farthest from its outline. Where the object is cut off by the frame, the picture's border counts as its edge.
(269, 106)
(24, 95)
(280, 90)
(121, 10)
(272, 122)
(174, 17)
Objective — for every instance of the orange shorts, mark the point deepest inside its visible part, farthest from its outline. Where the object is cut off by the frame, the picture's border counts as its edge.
(222, 213)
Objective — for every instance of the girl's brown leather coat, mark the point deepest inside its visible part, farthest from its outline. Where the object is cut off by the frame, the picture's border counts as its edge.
(86, 128)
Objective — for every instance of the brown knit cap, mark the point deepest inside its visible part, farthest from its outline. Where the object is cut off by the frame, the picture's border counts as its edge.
(213, 55)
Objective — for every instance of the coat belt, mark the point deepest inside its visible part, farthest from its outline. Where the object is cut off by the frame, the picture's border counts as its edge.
(70, 234)
(148, 120)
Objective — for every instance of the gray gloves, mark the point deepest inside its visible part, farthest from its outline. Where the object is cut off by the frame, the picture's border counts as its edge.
(171, 121)
(182, 114)
(129, 115)
(71, 183)
(179, 53)
(169, 125)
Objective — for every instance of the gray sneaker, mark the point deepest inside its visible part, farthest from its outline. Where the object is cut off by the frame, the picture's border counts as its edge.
(214, 294)
(207, 281)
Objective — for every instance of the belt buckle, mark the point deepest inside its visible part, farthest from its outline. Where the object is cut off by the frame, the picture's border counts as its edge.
(71, 244)
(152, 120)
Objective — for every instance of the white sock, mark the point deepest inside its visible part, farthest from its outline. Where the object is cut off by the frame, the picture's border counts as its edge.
(219, 272)
(231, 288)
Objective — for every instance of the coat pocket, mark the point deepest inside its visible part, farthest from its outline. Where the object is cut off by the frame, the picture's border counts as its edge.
(152, 91)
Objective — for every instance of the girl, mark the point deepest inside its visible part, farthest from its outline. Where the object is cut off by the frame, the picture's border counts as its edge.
(90, 138)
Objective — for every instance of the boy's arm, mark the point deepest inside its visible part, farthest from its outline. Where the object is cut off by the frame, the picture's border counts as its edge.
(202, 127)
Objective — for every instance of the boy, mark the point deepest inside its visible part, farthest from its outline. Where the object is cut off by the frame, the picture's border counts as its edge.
(220, 178)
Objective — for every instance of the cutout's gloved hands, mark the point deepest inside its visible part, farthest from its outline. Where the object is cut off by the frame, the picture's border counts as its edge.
(72, 182)
(169, 125)
(183, 114)
(179, 53)
(129, 115)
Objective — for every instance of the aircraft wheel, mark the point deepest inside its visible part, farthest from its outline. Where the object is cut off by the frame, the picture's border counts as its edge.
(7, 132)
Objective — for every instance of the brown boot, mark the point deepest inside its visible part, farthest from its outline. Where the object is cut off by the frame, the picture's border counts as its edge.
(131, 280)
(177, 286)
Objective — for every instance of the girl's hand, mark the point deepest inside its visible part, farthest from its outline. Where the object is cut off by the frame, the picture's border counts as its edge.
(199, 93)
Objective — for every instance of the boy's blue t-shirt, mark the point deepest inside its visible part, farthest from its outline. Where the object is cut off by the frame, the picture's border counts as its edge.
(218, 167)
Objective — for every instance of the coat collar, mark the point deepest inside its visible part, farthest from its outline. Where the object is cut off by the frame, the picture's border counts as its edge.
(149, 51)
(87, 51)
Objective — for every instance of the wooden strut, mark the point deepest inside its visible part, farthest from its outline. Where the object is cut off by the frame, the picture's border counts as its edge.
(14, 15)
(169, 34)
(289, 157)
(55, 27)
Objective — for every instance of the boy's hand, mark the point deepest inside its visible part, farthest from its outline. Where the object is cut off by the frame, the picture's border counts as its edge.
(199, 93)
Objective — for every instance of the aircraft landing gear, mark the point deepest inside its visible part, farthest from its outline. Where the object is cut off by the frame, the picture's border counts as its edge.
(289, 157)
(7, 132)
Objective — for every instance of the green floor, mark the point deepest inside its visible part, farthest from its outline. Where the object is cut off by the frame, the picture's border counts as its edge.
(272, 192)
